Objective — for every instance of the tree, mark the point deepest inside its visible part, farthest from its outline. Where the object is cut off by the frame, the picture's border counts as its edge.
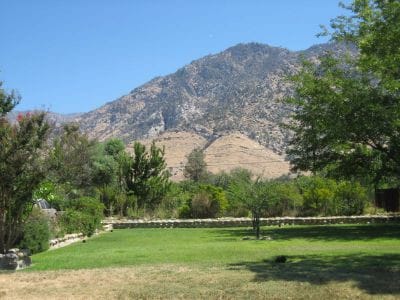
(254, 195)
(196, 167)
(71, 159)
(114, 147)
(347, 116)
(21, 168)
(146, 175)
(7, 101)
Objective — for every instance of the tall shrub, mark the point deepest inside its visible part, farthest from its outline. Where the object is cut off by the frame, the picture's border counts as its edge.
(83, 215)
(36, 232)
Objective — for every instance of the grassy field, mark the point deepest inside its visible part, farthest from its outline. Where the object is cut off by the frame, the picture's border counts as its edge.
(323, 262)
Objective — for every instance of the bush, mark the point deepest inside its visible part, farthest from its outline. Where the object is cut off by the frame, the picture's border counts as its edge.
(36, 232)
(351, 198)
(208, 202)
(318, 195)
(184, 212)
(83, 215)
(203, 206)
(284, 199)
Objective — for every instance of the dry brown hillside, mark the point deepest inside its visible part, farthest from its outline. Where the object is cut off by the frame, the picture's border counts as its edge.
(237, 150)
(223, 154)
(177, 146)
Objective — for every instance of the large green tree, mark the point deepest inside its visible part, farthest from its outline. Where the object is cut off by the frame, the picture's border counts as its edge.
(347, 116)
(71, 159)
(21, 167)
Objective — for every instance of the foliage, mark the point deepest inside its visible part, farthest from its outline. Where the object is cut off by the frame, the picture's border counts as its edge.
(21, 168)
(36, 232)
(208, 202)
(324, 197)
(82, 215)
(146, 176)
(284, 199)
(236, 207)
(347, 115)
(114, 147)
(71, 159)
(195, 168)
(374, 27)
(172, 205)
(46, 190)
(351, 198)
(318, 194)
(104, 171)
(7, 101)
(254, 195)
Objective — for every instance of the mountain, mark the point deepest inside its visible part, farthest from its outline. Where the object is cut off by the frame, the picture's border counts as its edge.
(237, 91)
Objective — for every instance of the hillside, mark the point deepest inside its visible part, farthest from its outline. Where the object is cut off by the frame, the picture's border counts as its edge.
(239, 90)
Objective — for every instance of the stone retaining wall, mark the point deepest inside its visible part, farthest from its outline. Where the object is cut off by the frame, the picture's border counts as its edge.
(15, 259)
(75, 237)
(247, 222)
(66, 240)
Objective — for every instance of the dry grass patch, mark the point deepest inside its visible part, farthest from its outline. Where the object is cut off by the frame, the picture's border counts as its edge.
(169, 281)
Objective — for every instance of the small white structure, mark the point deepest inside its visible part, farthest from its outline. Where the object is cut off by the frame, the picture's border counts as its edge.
(46, 208)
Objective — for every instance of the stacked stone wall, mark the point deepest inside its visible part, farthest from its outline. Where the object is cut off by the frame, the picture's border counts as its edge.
(247, 222)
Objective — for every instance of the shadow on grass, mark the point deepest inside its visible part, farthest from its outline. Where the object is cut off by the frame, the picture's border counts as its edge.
(321, 232)
(373, 274)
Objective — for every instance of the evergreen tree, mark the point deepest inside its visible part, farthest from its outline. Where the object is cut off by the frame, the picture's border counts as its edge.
(146, 175)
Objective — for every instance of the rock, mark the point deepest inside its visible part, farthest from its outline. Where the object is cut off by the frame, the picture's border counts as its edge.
(13, 250)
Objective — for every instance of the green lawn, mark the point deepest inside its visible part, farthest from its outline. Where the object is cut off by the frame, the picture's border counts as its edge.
(366, 258)
(224, 246)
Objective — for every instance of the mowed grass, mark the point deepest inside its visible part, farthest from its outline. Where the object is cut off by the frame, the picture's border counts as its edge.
(337, 261)
(221, 246)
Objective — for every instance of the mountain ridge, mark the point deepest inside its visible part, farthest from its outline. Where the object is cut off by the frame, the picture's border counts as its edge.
(238, 89)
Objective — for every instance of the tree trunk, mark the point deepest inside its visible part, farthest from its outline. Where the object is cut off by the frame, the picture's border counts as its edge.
(256, 224)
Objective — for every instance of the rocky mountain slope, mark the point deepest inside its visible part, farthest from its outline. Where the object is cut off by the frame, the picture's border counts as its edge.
(239, 89)
(228, 104)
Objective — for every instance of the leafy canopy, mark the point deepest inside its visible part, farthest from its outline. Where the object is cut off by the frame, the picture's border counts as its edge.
(347, 109)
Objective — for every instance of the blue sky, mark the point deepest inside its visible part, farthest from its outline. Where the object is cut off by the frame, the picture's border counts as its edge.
(76, 55)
